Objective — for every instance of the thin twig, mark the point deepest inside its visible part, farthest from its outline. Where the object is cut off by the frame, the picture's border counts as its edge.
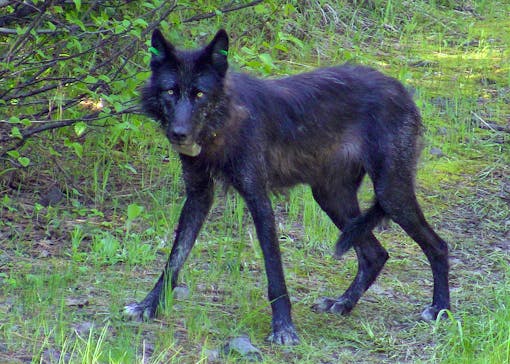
(482, 121)
(41, 31)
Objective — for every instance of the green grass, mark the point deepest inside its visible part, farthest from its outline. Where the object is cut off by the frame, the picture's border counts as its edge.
(66, 271)
(479, 341)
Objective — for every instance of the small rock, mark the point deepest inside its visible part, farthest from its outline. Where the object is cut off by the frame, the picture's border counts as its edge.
(7, 305)
(455, 262)
(442, 131)
(243, 346)
(54, 356)
(213, 356)
(83, 328)
(181, 293)
(78, 302)
(436, 152)
(44, 254)
(52, 197)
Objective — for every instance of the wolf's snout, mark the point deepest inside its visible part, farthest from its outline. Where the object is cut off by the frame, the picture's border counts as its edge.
(178, 134)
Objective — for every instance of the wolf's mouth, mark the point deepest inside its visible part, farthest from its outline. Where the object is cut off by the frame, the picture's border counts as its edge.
(192, 149)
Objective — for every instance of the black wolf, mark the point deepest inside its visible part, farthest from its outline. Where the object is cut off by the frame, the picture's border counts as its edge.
(326, 128)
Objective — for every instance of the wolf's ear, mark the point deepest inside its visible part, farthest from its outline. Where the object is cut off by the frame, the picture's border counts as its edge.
(160, 47)
(217, 50)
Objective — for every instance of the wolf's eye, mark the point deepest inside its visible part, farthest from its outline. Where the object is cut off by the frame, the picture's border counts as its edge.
(199, 94)
(171, 92)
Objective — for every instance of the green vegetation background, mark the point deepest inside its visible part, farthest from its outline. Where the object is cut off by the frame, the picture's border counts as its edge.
(90, 191)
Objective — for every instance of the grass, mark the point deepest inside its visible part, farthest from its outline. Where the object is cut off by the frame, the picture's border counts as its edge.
(66, 271)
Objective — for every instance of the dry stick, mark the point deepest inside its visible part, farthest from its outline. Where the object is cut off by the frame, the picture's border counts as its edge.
(40, 31)
(49, 125)
(483, 121)
(490, 126)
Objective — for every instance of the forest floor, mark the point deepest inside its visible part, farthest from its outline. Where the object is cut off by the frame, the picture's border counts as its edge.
(66, 270)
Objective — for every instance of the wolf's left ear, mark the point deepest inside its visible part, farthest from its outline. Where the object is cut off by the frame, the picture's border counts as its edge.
(218, 51)
(160, 47)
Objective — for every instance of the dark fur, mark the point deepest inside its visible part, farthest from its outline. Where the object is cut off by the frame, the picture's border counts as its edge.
(326, 128)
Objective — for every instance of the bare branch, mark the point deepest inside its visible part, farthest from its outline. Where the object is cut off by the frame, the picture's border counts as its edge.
(41, 31)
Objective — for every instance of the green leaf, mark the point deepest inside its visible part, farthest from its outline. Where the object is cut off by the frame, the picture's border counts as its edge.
(130, 168)
(20, 30)
(77, 3)
(16, 133)
(90, 79)
(291, 38)
(261, 9)
(24, 161)
(74, 20)
(140, 23)
(118, 106)
(51, 26)
(133, 211)
(77, 147)
(267, 60)
(79, 128)
(104, 78)
(13, 154)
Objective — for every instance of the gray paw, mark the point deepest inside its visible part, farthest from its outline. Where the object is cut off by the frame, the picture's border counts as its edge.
(139, 312)
(340, 306)
(284, 334)
(432, 312)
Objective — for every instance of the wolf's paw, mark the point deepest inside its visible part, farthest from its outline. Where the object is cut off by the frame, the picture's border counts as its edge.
(283, 334)
(139, 312)
(432, 312)
(340, 306)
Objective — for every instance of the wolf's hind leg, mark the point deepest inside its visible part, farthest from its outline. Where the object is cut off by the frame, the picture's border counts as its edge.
(399, 201)
(342, 207)
(371, 259)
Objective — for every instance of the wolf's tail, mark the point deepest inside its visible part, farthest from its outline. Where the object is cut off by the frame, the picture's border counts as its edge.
(359, 227)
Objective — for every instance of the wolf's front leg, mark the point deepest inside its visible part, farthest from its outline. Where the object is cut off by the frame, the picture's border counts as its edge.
(283, 331)
(193, 214)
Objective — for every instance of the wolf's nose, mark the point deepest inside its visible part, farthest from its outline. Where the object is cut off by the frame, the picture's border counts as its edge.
(178, 134)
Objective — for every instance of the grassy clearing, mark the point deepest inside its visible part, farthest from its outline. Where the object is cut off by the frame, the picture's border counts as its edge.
(66, 271)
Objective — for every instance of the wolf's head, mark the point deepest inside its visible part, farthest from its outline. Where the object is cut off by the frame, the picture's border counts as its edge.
(186, 89)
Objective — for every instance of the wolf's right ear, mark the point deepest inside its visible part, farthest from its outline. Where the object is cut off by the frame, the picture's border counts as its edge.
(217, 50)
(160, 47)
